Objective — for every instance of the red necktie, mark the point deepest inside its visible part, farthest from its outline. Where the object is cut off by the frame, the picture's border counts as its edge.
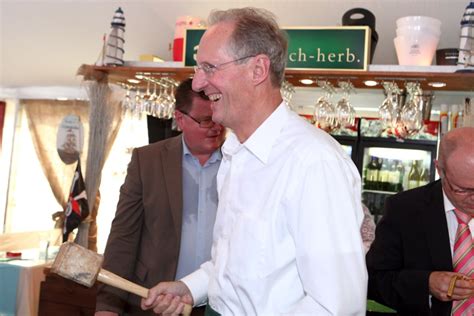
(463, 261)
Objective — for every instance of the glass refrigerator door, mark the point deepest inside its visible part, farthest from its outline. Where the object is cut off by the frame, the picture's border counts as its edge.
(386, 171)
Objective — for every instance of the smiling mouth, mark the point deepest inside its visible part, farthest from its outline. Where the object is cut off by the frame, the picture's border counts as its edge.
(215, 97)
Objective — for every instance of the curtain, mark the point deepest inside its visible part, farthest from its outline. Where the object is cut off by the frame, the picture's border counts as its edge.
(44, 117)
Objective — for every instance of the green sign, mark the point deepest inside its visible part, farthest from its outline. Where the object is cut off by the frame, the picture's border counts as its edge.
(191, 43)
(324, 48)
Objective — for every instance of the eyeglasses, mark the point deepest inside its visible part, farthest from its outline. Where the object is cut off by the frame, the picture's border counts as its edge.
(205, 123)
(459, 191)
(210, 69)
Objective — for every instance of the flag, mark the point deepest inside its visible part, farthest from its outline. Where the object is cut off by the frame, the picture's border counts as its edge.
(77, 208)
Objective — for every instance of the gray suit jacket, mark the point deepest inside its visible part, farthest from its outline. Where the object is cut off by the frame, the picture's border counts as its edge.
(143, 245)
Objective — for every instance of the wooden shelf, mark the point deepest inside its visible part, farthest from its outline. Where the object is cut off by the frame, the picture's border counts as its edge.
(399, 74)
(120, 74)
(454, 81)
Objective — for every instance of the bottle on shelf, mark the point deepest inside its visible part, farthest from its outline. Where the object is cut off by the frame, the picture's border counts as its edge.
(424, 177)
(413, 175)
(444, 118)
(468, 115)
(394, 178)
(401, 169)
(384, 173)
(454, 116)
(378, 183)
(371, 174)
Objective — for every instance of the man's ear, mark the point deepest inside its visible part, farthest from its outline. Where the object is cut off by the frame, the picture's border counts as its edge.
(261, 69)
(179, 117)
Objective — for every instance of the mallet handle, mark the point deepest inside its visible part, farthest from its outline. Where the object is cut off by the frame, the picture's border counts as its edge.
(114, 280)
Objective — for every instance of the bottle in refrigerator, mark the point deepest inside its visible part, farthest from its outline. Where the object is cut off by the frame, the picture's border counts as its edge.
(378, 183)
(424, 177)
(394, 178)
(413, 176)
(401, 170)
(371, 174)
(384, 172)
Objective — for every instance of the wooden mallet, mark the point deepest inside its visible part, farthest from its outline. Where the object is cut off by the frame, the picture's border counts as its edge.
(83, 266)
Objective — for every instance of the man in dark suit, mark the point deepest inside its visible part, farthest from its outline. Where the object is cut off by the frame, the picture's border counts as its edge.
(410, 263)
(162, 229)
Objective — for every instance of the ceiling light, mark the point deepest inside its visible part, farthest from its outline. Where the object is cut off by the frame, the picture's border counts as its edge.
(370, 83)
(306, 81)
(135, 81)
(437, 84)
(62, 99)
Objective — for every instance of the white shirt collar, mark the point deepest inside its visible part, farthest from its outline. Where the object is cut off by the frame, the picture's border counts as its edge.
(448, 206)
(262, 140)
(260, 143)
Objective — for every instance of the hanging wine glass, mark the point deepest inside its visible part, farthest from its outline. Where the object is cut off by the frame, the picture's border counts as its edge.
(126, 103)
(157, 110)
(163, 113)
(146, 96)
(324, 114)
(345, 112)
(136, 109)
(151, 100)
(386, 109)
(170, 100)
(411, 116)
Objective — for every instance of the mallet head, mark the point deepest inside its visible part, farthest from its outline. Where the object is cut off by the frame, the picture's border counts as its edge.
(77, 263)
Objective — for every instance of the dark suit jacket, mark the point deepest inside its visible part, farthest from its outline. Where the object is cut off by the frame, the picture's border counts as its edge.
(143, 245)
(411, 241)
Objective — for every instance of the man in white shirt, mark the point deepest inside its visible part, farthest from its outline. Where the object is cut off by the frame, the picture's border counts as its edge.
(286, 238)
(412, 262)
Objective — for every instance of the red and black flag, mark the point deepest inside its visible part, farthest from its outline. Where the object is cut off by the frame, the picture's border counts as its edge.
(77, 208)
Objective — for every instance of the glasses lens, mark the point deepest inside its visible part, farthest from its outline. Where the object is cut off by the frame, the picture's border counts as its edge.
(206, 123)
(458, 191)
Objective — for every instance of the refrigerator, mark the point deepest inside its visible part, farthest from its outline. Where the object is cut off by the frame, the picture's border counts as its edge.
(387, 164)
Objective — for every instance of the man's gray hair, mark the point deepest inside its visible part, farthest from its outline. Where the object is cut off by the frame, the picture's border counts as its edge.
(256, 32)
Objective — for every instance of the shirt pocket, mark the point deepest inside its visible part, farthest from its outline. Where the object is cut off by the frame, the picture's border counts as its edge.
(249, 255)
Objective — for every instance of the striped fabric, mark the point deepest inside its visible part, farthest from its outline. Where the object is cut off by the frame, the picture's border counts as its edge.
(463, 261)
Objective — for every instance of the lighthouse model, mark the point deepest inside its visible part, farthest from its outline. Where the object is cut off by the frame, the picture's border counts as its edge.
(466, 49)
(114, 47)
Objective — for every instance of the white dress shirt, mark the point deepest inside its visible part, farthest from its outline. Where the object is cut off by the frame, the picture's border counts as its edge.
(287, 233)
